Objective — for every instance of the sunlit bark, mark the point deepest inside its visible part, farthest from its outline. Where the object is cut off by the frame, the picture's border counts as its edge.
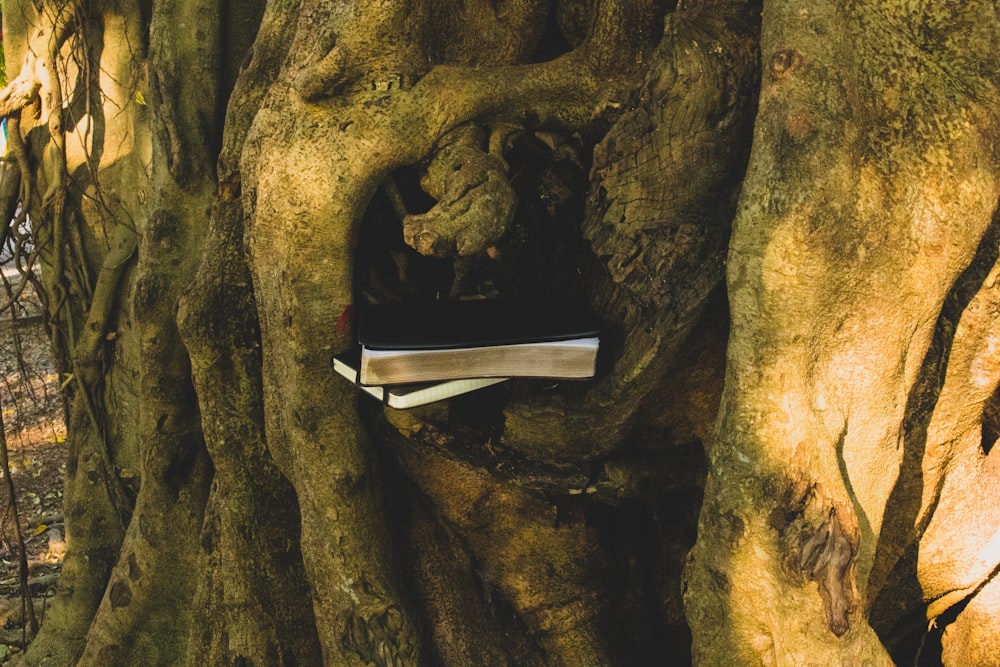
(870, 189)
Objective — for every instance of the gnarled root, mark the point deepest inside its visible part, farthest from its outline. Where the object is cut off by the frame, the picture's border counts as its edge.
(475, 200)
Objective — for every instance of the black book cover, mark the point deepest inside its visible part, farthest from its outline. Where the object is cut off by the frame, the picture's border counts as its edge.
(474, 323)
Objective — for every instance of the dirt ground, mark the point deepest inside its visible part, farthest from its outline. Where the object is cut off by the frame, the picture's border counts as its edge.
(35, 433)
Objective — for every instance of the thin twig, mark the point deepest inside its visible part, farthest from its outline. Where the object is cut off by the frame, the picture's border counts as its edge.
(27, 607)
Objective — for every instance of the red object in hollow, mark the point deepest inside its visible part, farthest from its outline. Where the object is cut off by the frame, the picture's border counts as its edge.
(344, 321)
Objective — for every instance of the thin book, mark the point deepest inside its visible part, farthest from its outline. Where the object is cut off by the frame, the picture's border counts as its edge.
(405, 396)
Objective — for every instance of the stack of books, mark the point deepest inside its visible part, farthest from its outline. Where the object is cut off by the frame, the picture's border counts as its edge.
(415, 353)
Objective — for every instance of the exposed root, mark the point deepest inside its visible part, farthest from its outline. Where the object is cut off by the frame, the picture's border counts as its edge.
(475, 200)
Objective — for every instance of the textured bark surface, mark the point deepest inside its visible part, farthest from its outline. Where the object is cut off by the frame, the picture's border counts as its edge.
(124, 183)
(214, 186)
(870, 190)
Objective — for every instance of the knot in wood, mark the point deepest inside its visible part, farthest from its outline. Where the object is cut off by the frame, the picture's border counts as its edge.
(785, 62)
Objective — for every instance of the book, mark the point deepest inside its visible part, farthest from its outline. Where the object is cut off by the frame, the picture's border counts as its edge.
(405, 396)
(450, 340)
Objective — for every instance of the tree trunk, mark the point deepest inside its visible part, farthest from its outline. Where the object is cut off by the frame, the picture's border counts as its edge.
(871, 188)
(214, 187)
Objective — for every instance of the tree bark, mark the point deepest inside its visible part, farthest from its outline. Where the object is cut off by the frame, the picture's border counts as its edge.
(213, 187)
(867, 195)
